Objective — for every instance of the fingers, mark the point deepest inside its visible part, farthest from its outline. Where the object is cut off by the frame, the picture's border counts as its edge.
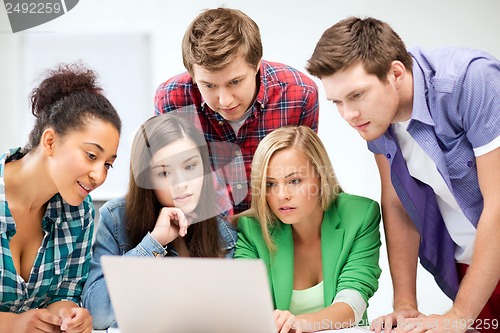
(177, 217)
(170, 223)
(48, 318)
(182, 221)
(44, 327)
(75, 320)
(422, 323)
(280, 318)
(395, 320)
(377, 324)
(286, 322)
(37, 320)
(297, 327)
(66, 315)
(383, 323)
(410, 326)
(389, 322)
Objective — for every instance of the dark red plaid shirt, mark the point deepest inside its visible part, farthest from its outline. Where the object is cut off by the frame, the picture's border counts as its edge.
(286, 97)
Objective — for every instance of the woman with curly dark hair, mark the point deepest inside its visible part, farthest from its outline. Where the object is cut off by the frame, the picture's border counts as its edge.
(46, 213)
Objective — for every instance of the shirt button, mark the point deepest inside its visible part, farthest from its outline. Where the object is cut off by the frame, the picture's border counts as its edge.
(237, 153)
(221, 123)
(470, 164)
(388, 156)
(239, 186)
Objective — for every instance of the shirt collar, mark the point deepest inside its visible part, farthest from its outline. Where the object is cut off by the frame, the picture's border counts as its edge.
(262, 97)
(6, 220)
(54, 207)
(420, 110)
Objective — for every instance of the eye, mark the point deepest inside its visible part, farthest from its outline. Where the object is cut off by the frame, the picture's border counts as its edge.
(337, 102)
(163, 174)
(191, 167)
(234, 82)
(357, 95)
(108, 166)
(209, 86)
(91, 156)
(268, 184)
(295, 181)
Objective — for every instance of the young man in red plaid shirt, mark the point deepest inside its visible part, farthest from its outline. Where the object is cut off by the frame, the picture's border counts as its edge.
(234, 96)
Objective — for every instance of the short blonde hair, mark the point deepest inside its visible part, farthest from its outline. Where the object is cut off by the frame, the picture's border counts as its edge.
(303, 139)
(217, 36)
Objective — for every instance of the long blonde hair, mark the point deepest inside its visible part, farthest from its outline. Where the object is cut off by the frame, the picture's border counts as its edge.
(305, 140)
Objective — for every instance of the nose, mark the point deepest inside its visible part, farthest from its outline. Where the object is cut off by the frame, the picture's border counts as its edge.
(283, 193)
(348, 112)
(181, 186)
(98, 175)
(225, 98)
(179, 180)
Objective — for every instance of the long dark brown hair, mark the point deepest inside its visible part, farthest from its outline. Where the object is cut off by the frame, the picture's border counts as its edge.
(142, 208)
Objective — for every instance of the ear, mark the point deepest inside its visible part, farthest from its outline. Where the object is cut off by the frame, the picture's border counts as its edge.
(397, 72)
(48, 140)
(257, 68)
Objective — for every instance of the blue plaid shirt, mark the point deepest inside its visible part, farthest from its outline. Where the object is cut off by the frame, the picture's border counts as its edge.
(62, 264)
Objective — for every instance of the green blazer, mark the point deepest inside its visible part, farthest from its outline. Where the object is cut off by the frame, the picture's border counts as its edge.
(350, 244)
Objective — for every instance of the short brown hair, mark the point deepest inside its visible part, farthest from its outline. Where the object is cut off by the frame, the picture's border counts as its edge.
(352, 40)
(217, 36)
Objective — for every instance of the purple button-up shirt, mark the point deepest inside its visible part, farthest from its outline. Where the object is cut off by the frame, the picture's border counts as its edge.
(456, 107)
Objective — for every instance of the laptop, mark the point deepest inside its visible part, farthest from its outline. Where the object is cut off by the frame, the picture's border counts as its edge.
(189, 295)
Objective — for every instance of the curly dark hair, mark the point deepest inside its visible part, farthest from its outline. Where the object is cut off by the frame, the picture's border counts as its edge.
(64, 101)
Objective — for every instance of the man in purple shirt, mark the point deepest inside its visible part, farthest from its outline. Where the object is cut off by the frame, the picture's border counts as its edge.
(432, 119)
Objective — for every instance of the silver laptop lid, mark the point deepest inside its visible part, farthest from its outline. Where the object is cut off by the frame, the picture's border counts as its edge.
(189, 295)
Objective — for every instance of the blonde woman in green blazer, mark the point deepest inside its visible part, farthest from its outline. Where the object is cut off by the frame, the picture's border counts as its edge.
(320, 245)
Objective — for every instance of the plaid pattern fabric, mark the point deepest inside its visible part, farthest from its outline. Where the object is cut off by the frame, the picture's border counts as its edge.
(62, 263)
(286, 97)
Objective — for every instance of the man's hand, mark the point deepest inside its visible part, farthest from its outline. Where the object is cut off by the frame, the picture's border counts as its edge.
(387, 322)
(447, 323)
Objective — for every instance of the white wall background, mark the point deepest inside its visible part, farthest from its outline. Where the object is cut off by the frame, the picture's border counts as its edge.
(290, 30)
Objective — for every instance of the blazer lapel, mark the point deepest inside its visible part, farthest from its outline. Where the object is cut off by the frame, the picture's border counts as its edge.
(282, 267)
(331, 247)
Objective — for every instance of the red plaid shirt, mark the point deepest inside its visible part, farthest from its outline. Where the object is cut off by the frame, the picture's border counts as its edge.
(286, 97)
